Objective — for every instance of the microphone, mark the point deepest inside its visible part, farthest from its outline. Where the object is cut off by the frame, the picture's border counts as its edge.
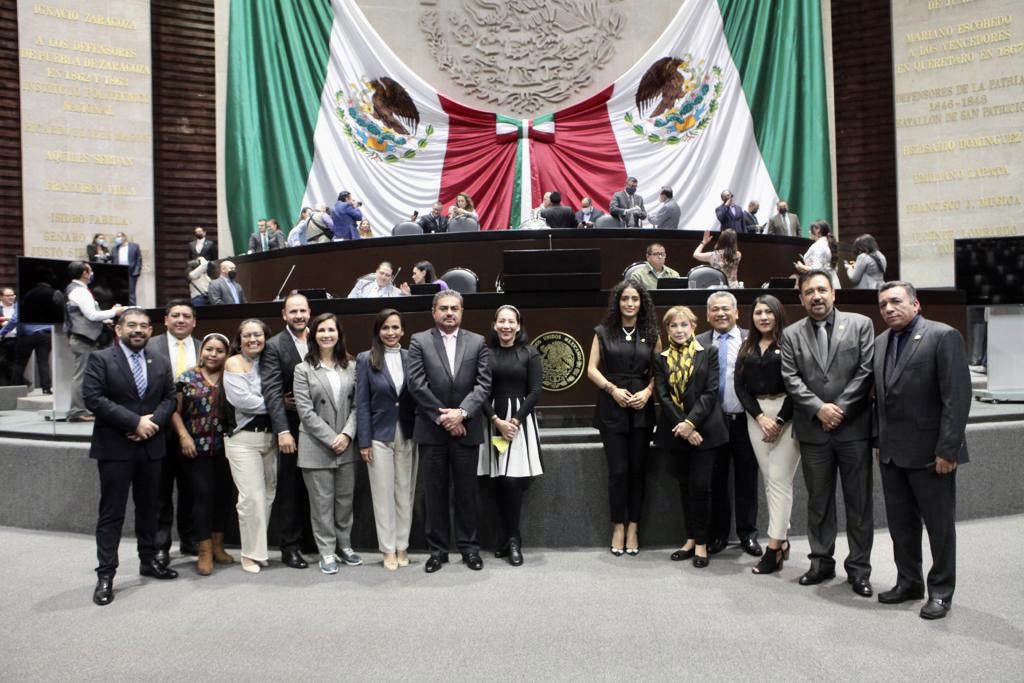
(288, 277)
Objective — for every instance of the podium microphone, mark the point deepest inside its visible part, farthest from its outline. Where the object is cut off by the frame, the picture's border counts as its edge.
(288, 277)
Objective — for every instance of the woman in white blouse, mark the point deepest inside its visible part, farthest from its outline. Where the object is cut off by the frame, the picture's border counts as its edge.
(325, 385)
(249, 442)
(823, 254)
(386, 414)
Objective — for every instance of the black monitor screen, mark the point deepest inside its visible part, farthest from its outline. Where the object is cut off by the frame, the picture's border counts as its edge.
(41, 284)
(990, 270)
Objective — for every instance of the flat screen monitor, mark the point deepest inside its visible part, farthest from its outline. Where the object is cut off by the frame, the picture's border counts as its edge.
(674, 283)
(428, 288)
(41, 283)
(990, 270)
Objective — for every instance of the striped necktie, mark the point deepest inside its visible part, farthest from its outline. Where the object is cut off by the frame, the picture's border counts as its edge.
(139, 373)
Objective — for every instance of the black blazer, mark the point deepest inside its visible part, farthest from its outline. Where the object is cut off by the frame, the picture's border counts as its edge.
(431, 223)
(277, 375)
(109, 392)
(559, 216)
(209, 251)
(379, 406)
(700, 403)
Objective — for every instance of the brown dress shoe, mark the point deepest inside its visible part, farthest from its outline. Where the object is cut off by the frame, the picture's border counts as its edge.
(220, 556)
(204, 563)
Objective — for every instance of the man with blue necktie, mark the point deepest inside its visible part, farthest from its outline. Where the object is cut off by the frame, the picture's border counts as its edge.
(728, 214)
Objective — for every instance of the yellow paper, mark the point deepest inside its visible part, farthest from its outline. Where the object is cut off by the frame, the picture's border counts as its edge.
(500, 442)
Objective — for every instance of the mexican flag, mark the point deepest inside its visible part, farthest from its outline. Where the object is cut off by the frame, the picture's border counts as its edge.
(731, 96)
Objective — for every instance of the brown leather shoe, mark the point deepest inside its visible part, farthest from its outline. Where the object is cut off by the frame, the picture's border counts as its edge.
(220, 556)
(204, 563)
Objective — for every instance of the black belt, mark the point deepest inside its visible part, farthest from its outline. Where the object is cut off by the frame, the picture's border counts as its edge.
(734, 416)
(82, 338)
(260, 423)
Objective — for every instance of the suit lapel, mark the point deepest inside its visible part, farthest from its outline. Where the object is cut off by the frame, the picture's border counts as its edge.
(810, 333)
(910, 347)
(321, 376)
(460, 351)
(439, 349)
(838, 332)
(881, 350)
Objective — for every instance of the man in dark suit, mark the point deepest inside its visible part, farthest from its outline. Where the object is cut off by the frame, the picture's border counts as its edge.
(224, 290)
(180, 349)
(627, 205)
(922, 398)
(725, 339)
(449, 378)
(129, 254)
(200, 246)
(750, 224)
(588, 213)
(728, 214)
(265, 238)
(827, 368)
(435, 221)
(666, 215)
(556, 215)
(346, 216)
(277, 372)
(784, 222)
(131, 393)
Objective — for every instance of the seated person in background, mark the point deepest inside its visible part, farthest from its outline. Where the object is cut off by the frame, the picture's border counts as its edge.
(750, 224)
(264, 239)
(346, 216)
(728, 214)
(588, 213)
(666, 215)
(423, 273)
(97, 251)
(556, 215)
(435, 221)
(868, 271)
(462, 208)
(365, 230)
(544, 204)
(725, 257)
(224, 290)
(655, 269)
(377, 284)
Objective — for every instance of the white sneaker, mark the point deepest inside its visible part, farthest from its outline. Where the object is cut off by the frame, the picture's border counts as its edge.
(328, 564)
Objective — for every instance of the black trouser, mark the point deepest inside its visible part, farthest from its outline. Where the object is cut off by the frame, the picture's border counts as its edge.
(23, 348)
(739, 455)
(291, 504)
(457, 463)
(173, 471)
(8, 376)
(820, 463)
(627, 473)
(913, 496)
(213, 493)
(142, 476)
(693, 470)
(508, 494)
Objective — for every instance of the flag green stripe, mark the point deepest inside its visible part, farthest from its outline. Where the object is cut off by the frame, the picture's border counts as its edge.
(777, 48)
(277, 63)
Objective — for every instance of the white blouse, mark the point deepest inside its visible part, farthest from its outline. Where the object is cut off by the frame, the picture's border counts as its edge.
(393, 359)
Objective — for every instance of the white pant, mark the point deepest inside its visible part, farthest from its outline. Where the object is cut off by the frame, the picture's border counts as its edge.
(393, 488)
(253, 460)
(778, 462)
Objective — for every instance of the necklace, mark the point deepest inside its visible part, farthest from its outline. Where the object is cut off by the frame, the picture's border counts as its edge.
(629, 333)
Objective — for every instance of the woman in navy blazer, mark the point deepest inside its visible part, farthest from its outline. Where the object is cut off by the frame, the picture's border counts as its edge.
(385, 413)
(691, 425)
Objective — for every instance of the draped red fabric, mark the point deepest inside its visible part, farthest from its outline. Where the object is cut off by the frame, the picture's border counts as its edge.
(583, 160)
(478, 162)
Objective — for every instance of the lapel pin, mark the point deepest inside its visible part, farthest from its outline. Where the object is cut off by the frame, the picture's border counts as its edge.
(778, 351)
(916, 337)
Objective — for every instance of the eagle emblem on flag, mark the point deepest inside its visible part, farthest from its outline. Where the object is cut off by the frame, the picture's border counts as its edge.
(676, 100)
(381, 119)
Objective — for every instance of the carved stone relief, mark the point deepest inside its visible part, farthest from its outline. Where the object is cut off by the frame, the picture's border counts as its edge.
(522, 55)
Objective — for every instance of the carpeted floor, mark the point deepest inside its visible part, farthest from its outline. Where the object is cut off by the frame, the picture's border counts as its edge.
(564, 615)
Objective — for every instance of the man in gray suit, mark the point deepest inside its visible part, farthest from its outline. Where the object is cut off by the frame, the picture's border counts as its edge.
(922, 398)
(666, 216)
(784, 222)
(628, 206)
(826, 366)
(224, 290)
(449, 378)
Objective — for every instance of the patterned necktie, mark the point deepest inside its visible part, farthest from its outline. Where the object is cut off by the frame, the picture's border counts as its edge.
(139, 373)
(180, 359)
(822, 341)
(723, 365)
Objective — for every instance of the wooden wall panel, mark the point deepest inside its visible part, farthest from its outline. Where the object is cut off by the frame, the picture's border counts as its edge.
(11, 242)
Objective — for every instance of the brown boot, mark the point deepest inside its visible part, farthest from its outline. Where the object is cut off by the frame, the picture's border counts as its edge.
(220, 556)
(204, 564)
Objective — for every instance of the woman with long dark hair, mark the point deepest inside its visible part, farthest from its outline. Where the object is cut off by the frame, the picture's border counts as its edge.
(463, 208)
(98, 251)
(423, 273)
(620, 367)
(200, 431)
(510, 457)
(868, 271)
(249, 442)
(823, 254)
(385, 415)
(726, 257)
(691, 425)
(759, 387)
(325, 387)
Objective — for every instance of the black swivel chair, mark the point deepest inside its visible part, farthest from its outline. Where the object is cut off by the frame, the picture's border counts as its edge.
(634, 268)
(462, 280)
(463, 224)
(707, 277)
(607, 221)
(407, 228)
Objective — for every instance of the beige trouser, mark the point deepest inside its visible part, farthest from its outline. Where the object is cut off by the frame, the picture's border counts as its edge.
(778, 462)
(393, 488)
(253, 460)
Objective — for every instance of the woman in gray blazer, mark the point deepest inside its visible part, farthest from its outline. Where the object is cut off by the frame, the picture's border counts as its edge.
(324, 391)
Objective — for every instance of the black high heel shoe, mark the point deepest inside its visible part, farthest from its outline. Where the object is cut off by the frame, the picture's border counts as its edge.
(770, 562)
(785, 551)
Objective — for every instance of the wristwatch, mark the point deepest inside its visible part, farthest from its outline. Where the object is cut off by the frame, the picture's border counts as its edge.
(779, 421)
(464, 413)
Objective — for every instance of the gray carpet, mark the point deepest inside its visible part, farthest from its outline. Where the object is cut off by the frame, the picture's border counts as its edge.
(565, 615)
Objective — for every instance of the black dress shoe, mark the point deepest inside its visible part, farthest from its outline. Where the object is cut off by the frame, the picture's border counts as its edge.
(435, 562)
(188, 548)
(680, 555)
(473, 561)
(155, 570)
(104, 593)
(515, 553)
(862, 587)
(814, 576)
(501, 552)
(700, 562)
(163, 557)
(936, 608)
(718, 545)
(900, 594)
(294, 559)
(752, 547)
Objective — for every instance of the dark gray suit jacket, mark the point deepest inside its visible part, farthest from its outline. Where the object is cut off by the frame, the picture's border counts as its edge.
(622, 201)
(220, 294)
(158, 345)
(666, 217)
(921, 410)
(778, 225)
(433, 385)
(844, 378)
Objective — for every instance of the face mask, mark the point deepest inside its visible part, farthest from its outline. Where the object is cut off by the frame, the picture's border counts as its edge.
(101, 243)
(232, 275)
(200, 236)
(783, 211)
(119, 241)
(92, 276)
(630, 190)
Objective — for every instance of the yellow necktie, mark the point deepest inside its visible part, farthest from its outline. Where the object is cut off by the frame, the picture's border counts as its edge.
(180, 360)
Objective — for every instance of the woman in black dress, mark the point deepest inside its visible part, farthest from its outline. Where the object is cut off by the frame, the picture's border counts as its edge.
(620, 366)
(691, 425)
(516, 376)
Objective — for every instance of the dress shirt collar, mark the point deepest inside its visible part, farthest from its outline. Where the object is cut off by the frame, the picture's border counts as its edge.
(128, 353)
